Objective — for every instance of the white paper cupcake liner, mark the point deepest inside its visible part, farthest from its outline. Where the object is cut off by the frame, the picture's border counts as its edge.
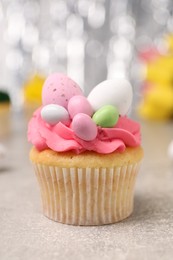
(87, 196)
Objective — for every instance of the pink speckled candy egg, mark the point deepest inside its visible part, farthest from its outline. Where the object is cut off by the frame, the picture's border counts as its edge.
(79, 104)
(58, 89)
(84, 127)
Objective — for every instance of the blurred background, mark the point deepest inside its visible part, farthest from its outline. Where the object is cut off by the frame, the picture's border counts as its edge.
(90, 40)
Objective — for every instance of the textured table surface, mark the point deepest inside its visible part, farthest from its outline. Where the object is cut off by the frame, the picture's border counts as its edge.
(26, 234)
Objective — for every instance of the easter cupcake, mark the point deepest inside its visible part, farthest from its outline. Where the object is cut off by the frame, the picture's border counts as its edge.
(86, 151)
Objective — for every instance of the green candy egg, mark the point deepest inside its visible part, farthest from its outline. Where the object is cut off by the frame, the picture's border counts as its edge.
(106, 116)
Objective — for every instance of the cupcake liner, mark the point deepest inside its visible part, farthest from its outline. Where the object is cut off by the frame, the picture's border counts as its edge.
(87, 196)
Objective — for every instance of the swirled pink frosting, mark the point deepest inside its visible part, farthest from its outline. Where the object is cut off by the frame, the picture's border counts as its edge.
(61, 138)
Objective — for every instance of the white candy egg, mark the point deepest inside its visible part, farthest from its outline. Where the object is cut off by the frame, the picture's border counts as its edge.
(116, 92)
(53, 114)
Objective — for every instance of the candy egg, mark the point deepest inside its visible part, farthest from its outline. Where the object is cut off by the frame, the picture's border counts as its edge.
(117, 92)
(84, 127)
(58, 89)
(107, 116)
(79, 104)
(53, 114)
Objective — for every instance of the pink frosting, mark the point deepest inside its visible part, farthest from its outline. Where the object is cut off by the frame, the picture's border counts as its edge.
(61, 138)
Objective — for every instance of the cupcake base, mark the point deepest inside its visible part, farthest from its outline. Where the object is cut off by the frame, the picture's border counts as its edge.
(87, 196)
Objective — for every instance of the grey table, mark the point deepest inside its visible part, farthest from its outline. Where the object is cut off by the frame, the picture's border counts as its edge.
(26, 234)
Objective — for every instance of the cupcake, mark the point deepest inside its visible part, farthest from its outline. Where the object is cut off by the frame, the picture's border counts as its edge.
(86, 151)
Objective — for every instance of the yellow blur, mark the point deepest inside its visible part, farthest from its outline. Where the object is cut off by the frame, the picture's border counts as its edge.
(33, 89)
(157, 103)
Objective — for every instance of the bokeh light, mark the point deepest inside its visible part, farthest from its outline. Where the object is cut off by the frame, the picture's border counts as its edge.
(78, 37)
